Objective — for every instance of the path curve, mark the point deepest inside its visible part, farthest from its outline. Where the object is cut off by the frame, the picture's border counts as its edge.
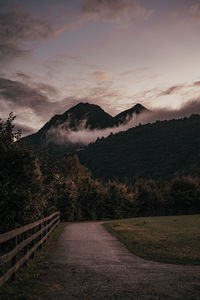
(89, 263)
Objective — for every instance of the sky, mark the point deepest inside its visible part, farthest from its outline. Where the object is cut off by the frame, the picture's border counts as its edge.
(113, 53)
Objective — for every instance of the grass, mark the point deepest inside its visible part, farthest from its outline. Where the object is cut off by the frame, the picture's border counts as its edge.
(24, 285)
(174, 239)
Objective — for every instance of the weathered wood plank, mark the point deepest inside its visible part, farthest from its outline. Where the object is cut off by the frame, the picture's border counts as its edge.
(13, 270)
(11, 254)
(11, 234)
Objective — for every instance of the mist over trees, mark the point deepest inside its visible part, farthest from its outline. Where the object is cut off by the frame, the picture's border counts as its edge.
(160, 150)
(32, 187)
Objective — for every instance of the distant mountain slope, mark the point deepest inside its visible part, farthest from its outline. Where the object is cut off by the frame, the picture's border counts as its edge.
(154, 150)
(93, 115)
(126, 115)
(83, 115)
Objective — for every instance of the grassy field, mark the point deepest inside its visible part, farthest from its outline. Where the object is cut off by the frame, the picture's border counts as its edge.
(174, 239)
(23, 287)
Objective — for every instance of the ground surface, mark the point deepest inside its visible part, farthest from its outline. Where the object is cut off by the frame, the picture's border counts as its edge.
(168, 239)
(89, 263)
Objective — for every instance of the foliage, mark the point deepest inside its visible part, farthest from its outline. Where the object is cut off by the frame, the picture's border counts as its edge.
(148, 199)
(81, 197)
(32, 187)
(22, 198)
(152, 151)
(184, 195)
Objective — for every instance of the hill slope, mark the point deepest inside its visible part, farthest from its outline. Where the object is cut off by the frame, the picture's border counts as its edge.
(154, 150)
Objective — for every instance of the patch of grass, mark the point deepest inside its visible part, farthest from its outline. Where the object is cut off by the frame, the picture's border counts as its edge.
(23, 288)
(174, 239)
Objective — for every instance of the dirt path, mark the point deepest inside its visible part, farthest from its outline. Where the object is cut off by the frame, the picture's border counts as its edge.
(89, 263)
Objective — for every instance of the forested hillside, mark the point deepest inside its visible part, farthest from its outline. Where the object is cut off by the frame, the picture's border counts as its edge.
(160, 150)
(34, 186)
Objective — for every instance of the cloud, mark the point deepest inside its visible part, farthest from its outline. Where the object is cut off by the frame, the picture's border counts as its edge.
(195, 11)
(25, 130)
(120, 12)
(47, 89)
(17, 27)
(40, 98)
(85, 135)
(173, 89)
(105, 95)
(134, 71)
(19, 94)
(115, 11)
(32, 95)
(31, 104)
(196, 83)
(189, 108)
(100, 76)
(23, 76)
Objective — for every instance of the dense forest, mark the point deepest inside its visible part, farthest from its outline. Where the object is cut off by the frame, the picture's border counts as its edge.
(34, 186)
(163, 149)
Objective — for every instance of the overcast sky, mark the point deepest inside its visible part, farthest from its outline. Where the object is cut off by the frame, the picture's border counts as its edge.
(114, 53)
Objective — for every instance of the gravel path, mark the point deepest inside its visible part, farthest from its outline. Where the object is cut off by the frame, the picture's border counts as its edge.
(89, 263)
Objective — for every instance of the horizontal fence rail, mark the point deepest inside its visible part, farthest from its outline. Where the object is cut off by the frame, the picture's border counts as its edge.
(26, 239)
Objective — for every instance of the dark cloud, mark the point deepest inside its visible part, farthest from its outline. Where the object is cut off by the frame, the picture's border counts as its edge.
(173, 89)
(116, 11)
(176, 88)
(196, 83)
(19, 94)
(17, 27)
(43, 88)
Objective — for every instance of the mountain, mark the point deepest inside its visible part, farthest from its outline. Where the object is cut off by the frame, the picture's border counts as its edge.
(81, 116)
(90, 115)
(126, 115)
(160, 150)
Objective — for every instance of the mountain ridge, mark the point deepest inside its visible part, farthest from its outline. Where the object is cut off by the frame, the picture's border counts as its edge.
(81, 116)
(125, 116)
(162, 149)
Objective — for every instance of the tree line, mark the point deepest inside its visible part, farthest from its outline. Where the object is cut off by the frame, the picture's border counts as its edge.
(32, 187)
(151, 151)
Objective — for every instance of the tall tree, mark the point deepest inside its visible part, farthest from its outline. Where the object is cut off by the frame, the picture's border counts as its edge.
(21, 186)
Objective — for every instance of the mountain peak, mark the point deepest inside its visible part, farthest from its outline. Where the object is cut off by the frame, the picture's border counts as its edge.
(93, 116)
(138, 105)
(81, 116)
(84, 107)
(126, 115)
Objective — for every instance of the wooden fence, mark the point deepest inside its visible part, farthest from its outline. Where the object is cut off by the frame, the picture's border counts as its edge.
(25, 241)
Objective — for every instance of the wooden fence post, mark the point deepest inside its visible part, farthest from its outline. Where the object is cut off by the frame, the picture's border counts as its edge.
(25, 241)
(13, 261)
(26, 247)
